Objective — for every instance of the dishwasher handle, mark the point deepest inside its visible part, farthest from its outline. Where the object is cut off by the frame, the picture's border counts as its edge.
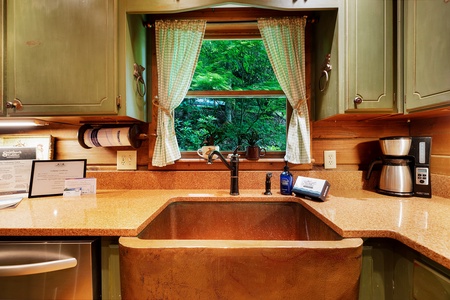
(38, 268)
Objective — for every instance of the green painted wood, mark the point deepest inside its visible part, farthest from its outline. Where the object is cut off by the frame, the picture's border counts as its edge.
(363, 60)
(376, 280)
(2, 20)
(429, 283)
(370, 54)
(156, 6)
(427, 48)
(61, 56)
(137, 50)
(326, 103)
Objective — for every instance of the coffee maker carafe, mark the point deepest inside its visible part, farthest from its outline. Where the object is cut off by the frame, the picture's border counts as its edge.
(405, 166)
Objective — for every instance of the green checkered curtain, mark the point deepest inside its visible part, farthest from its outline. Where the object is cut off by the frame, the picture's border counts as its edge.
(284, 40)
(178, 44)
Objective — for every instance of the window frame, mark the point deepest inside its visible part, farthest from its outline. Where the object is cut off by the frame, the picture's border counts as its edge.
(241, 25)
(221, 33)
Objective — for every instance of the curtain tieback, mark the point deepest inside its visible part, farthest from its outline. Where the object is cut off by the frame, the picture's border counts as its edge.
(299, 105)
(168, 112)
(156, 103)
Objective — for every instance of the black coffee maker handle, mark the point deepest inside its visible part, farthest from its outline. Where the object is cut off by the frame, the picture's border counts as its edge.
(375, 162)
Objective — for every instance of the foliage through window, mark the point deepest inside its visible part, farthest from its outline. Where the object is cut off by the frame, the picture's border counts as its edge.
(234, 99)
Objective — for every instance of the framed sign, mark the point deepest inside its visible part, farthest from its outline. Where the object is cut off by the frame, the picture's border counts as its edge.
(43, 143)
(48, 176)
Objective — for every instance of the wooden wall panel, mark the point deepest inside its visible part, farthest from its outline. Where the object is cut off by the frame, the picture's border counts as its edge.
(439, 130)
(357, 152)
(355, 142)
(70, 149)
(67, 146)
(348, 129)
(440, 165)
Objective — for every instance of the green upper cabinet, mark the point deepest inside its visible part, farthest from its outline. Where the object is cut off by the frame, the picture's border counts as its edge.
(362, 59)
(370, 56)
(62, 59)
(2, 106)
(427, 51)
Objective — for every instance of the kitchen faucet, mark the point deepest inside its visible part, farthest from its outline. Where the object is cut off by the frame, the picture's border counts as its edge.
(233, 166)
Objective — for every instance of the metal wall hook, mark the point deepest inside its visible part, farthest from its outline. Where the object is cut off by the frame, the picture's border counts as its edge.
(137, 73)
(326, 69)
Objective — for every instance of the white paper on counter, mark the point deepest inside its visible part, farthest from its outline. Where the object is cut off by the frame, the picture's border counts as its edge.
(11, 201)
(15, 175)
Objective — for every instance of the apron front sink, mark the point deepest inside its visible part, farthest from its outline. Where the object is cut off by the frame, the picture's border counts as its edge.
(209, 249)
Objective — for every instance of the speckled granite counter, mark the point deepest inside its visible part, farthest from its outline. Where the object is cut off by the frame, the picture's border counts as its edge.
(421, 224)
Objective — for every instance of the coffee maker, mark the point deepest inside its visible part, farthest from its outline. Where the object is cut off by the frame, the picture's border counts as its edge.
(405, 166)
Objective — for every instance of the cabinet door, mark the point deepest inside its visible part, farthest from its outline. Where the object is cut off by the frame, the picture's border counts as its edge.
(427, 49)
(370, 56)
(61, 57)
(2, 53)
(429, 283)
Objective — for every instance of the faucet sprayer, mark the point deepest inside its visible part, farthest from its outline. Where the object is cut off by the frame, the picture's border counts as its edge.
(233, 166)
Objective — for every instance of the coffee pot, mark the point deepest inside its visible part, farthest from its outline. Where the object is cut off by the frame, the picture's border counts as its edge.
(405, 166)
(395, 178)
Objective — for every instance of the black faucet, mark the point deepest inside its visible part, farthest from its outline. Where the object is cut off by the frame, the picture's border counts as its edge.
(268, 184)
(233, 166)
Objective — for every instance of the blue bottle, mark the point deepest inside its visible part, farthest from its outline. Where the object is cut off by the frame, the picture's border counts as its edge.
(286, 181)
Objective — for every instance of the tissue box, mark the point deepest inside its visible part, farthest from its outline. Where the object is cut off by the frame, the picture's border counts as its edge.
(311, 188)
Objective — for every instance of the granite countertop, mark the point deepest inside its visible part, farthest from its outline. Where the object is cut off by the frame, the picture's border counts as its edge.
(419, 223)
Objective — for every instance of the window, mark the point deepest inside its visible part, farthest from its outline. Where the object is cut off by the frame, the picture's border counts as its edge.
(213, 106)
(233, 94)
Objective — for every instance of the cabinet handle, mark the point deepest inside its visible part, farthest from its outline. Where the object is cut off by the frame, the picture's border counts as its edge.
(38, 268)
(358, 100)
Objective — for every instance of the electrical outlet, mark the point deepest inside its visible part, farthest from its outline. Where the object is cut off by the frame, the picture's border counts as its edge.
(127, 160)
(329, 159)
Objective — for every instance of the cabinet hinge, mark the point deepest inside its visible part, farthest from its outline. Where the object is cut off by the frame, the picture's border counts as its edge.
(118, 99)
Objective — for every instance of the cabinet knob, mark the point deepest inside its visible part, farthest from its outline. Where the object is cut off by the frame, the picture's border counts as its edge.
(358, 100)
(16, 104)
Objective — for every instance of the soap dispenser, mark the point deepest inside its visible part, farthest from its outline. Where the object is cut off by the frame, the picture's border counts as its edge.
(286, 181)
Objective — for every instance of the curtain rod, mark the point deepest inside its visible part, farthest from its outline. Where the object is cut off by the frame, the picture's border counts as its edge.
(309, 20)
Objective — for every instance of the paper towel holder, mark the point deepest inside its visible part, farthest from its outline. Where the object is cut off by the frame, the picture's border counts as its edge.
(110, 135)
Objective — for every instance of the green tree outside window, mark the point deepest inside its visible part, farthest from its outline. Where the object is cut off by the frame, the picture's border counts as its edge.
(232, 65)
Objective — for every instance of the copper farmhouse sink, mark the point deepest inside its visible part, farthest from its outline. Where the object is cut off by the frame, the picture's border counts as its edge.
(238, 250)
(238, 221)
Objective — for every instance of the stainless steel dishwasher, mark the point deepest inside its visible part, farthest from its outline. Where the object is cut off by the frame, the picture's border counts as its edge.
(50, 269)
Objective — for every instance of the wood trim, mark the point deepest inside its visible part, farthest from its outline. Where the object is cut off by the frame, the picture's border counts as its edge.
(236, 94)
(277, 155)
(232, 30)
(198, 164)
(230, 23)
(228, 15)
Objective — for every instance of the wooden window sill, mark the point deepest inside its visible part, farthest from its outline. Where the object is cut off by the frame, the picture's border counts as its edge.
(199, 164)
